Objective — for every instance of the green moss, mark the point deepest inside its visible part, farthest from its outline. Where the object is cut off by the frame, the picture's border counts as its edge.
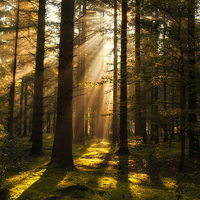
(149, 172)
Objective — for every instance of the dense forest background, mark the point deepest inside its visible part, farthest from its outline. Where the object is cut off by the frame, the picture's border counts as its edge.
(98, 85)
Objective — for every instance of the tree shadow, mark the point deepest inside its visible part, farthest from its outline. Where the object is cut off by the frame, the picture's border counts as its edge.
(100, 170)
(123, 187)
(45, 185)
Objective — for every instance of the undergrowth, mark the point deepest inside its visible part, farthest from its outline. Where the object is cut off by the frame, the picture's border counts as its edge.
(149, 172)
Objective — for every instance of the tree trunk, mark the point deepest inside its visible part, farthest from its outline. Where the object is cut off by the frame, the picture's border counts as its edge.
(12, 87)
(37, 126)
(100, 125)
(62, 147)
(123, 145)
(21, 107)
(137, 71)
(156, 133)
(194, 150)
(152, 113)
(182, 100)
(115, 137)
(55, 110)
(156, 36)
(25, 106)
(48, 115)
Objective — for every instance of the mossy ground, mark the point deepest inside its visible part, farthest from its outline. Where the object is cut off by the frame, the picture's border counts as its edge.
(149, 172)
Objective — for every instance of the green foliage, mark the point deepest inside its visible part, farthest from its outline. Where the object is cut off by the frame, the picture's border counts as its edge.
(149, 173)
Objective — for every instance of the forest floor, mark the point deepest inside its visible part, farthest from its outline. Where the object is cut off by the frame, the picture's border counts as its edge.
(149, 172)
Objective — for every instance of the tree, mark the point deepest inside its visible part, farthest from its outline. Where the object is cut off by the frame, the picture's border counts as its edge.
(194, 149)
(21, 107)
(123, 144)
(37, 123)
(62, 147)
(25, 105)
(137, 70)
(12, 87)
(115, 114)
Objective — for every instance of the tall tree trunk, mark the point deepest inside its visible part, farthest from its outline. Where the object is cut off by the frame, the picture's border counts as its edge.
(21, 107)
(137, 70)
(166, 137)
(100, 125)
(85, 110)
(37, 126)
(182, 99)
(115, 137)
(152, 113)
(25, 106)
(30, 118)
(143, 118)
(156, 133)
(55, 110)
(12, 87)
(123, 145)
(86, 114)
(156, 36)
(48, 115)
(62, 146)
(194, 149)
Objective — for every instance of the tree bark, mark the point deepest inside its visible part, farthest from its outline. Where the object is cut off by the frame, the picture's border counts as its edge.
(194, 149)
(62, 147)
(115, 137)
(12, 87)
(123, 145)
(137, 71)
(182, 99)
(37, 125)
(21, 107)
(25, 106)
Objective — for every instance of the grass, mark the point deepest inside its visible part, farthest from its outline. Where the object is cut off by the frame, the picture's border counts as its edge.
(149, 172)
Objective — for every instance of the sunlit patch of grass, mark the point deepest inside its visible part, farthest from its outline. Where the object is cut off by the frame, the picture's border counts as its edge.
(94, 155)
(24, 181)
(138, 178)
(168, 182)
(89, 162)
(107, 182)
(74, 177)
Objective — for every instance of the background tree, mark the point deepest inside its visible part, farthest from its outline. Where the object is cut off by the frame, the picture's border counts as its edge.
(194, 149)
(37, 124)
(115, 113)
(12, 87)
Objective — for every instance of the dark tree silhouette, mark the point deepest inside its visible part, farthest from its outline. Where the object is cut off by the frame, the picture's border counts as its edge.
(37, 123)
(62, 147)
(123, 144)
(192, 93)
(12, 87)
(115, 114)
